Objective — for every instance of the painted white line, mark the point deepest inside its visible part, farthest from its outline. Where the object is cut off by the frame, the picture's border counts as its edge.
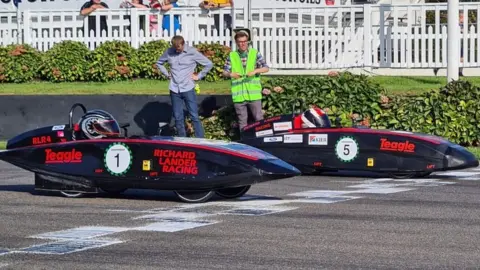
(174, 216)
(174, 226)
(380, 190)
(458, 174)
(320, 193)
(66, 247)
(80, 233)
(327, 200)
(4, 265)
(257, 211)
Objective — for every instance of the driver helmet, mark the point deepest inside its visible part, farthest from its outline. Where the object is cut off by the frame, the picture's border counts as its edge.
(314, 117)
(97, 124)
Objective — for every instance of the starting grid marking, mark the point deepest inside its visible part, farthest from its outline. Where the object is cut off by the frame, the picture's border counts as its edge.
(190, 216)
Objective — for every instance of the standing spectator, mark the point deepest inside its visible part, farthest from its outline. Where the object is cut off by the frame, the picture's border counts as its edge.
(227, 18)
(183, 60)
(134, 4)
(244, 67)
(90, 7)
(168, 5)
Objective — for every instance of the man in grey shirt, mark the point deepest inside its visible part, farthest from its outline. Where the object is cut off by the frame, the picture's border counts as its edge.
(183, 60)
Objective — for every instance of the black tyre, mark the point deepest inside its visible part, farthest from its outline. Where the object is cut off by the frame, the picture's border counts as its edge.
(70, 194)
(230, 193)
(194, 196)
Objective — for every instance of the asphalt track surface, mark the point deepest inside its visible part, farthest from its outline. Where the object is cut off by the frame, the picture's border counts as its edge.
(333, 222)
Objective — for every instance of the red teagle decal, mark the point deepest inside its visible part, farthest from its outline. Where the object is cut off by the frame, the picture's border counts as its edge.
(72, 156)
(406, 146)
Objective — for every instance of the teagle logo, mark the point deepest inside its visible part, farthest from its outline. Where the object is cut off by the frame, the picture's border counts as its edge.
(406, 147)
(72, 156)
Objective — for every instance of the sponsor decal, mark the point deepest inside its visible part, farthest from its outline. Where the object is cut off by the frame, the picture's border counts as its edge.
(60, 134)
(181, 162)
(282, 126)
(62, 127)
(296, 138)
(318, 139)
(275, 118)
(264, 133)
(370, 162)
(251, 125)
(431, 166)
(346, 149)
(98, 170)
(273, 139)
(387, 145)
(41, 140)
(72, 156)
(146, 165)
(317, 164)
(118, 158)
(262, 127)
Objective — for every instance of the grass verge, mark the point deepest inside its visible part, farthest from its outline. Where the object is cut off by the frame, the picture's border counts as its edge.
(393, 84)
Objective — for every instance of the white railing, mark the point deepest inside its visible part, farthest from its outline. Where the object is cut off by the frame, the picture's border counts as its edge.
(296, 39)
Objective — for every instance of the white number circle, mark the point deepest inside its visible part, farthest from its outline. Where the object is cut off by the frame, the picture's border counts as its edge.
(118, 159)
(346, 149)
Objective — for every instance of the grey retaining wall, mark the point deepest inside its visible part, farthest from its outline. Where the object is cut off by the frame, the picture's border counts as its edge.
(143, 112)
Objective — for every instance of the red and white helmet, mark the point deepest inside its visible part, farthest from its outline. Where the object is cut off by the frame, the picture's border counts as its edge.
(315, 117)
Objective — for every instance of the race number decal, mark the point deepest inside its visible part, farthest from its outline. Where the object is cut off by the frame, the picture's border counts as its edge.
(346, 149)
(118, 158)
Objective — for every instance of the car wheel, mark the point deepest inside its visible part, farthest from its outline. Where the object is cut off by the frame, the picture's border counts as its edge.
(71, 194)
(423, 174)
(194, 196)
(403, 175)
(230, 193)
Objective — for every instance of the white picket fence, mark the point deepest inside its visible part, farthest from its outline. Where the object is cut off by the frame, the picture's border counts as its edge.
(295, 40)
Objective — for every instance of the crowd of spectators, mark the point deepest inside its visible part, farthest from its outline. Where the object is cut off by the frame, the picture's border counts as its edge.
(162, 6)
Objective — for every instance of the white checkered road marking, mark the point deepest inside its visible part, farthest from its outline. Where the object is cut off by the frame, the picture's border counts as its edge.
(190, 216)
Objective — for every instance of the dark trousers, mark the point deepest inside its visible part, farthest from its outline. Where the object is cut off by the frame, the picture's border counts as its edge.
(190, 100)
(242, 112)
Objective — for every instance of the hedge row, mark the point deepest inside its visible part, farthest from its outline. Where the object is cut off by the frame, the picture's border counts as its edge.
(70, 61)
(452, 112)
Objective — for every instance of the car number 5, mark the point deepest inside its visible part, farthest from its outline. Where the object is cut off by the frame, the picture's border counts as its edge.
(346, 149)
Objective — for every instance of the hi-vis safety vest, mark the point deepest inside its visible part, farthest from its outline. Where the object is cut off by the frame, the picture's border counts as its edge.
(245, 88)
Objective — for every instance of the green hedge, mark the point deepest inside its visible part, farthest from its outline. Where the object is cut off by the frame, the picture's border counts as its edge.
(452, 112)
(70, 61)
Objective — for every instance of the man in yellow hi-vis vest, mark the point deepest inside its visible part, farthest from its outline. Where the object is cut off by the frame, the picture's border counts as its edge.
(244, 67)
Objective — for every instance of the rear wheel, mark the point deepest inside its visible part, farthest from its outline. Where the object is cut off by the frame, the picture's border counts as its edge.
(409, 175)
(70, 194)
(403, 175)
(231, 193)
(194, 196)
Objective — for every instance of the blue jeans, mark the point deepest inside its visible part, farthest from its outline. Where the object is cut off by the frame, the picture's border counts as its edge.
(190, 98)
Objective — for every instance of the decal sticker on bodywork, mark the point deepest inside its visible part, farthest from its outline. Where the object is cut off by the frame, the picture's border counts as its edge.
(178, 162)
(61, 127)
(118, 159)
(297, 138)
(346, 149)
(318, 139)
(264, 133)
(273, 139)
(405, 147)
(280, 126)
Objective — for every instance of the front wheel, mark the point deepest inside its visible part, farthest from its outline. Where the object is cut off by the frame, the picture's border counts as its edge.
(194, 196)
(230, 193)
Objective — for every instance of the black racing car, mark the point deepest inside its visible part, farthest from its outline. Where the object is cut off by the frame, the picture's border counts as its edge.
(92, 156)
